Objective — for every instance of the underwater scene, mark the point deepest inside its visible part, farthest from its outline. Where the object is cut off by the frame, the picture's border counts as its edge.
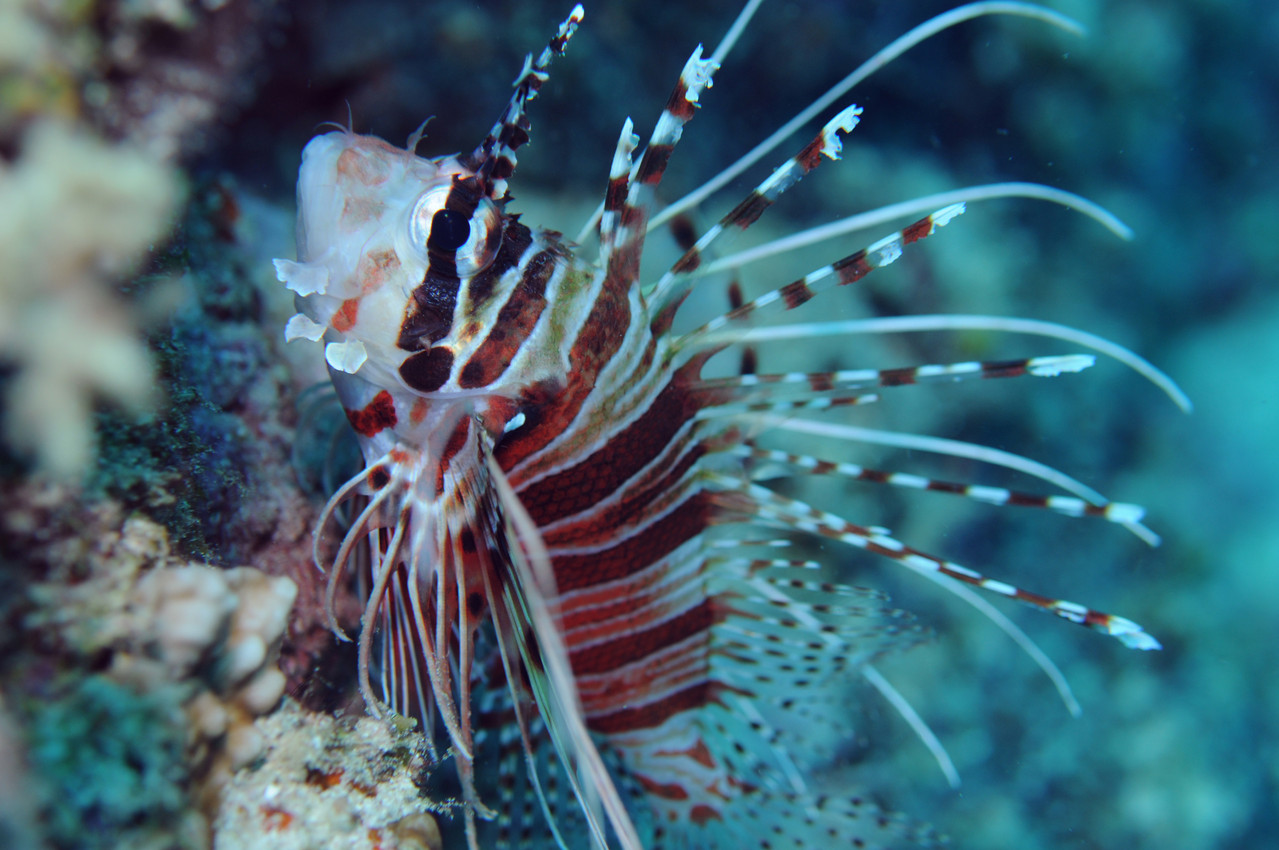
(679, 508)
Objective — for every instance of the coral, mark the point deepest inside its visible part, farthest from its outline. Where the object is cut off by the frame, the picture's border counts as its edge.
(110, 758)
(75, 211)
(17, 830)
(219, 466)
(175, 69)
(329, 783)
(99, 100)
(183, 659)
(213, 466)
(157, 73)
(218, 628)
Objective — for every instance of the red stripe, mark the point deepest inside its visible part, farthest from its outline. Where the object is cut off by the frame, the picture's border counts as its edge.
(378, 414)
(679, 105)
(665, 790)
(609, 655)
(600, 338)
(852, 268)
(653, 165)
(811, 156)
(795, 294)
(594, 615)
(515, 321)
(657, 712)
(748, 211)
(574, 572)
(917, 231)
(515, 241)
(600, 524)
(615, 197)
(601, 474)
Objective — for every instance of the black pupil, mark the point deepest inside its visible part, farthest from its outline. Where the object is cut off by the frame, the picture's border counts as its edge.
(449, 231)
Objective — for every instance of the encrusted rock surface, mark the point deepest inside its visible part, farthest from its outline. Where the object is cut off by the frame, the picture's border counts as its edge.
(329, 783)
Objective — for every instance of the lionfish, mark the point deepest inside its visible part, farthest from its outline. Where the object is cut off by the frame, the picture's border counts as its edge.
(558, 501)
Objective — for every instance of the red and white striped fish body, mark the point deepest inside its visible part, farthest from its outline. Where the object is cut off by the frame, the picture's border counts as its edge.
(550, 367)
(543, 455)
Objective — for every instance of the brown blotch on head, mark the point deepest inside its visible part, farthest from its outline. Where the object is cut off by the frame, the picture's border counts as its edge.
(357, 211)
(345, 317)
(375, 416)
(378, 477)
(427, 371)
(376, 267)
(361, 167)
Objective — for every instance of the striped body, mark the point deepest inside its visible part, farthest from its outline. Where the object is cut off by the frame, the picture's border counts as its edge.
(545, 460)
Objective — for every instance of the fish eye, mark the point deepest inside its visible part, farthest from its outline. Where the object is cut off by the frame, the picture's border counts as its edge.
(449, 231)
(447, 237)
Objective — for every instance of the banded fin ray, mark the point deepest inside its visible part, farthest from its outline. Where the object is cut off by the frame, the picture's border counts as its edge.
(790, 513)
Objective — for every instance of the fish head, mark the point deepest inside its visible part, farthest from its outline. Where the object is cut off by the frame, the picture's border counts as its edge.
(418, 281)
